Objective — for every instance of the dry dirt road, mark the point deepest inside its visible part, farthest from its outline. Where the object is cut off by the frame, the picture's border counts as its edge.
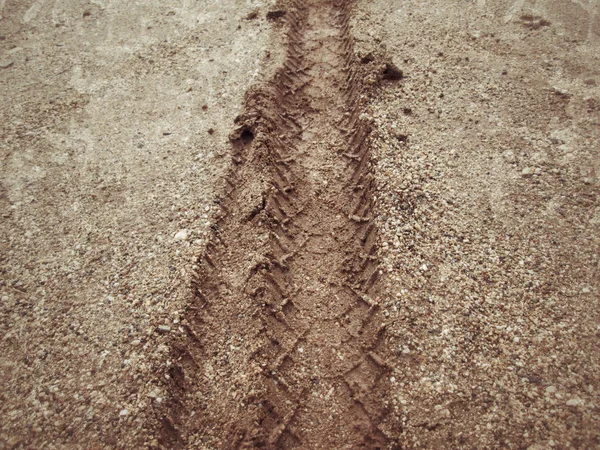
(313, 224)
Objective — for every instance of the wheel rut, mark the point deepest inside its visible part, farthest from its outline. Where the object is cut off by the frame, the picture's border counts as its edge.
(284, 343)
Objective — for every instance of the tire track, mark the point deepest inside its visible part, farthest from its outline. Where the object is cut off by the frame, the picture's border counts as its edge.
(289, 278)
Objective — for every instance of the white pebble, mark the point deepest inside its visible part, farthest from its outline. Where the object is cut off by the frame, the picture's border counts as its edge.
(181, 235)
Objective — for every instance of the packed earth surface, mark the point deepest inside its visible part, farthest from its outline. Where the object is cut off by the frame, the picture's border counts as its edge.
(300, 224)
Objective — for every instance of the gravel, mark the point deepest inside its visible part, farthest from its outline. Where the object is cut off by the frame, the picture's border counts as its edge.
(92, 195)
(484, 215)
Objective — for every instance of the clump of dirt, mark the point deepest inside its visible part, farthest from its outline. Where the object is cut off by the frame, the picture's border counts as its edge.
(391, 72)
(276, 14)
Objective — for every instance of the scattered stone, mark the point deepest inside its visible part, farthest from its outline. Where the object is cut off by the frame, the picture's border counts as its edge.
(527, 171)
(181, 235)
(252, 15)
(560, 91)
(596, 216)
(124, 412)
(14, 441)
(154, 393)
(402, 137)
(550, 390)
(329, 392)
(575, 402)
(509, 156)
(163, 329)
(6, 63)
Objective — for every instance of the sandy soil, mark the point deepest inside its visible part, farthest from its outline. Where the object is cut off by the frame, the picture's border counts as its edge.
(399, 248)
(114, 125)
(487, 160)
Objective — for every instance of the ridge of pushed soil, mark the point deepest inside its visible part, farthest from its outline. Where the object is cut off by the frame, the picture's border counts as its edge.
(286, 318)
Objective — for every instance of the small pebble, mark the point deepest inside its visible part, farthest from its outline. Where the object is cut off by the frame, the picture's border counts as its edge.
(6, 63)
(527, 171)
(181, 235)
(163, 329)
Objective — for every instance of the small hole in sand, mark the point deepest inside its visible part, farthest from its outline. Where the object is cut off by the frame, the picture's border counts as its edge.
(247, 136)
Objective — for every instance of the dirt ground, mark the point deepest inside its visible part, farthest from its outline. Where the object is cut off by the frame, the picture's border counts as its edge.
(114, 121)
(487, 160)
(310, 224)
